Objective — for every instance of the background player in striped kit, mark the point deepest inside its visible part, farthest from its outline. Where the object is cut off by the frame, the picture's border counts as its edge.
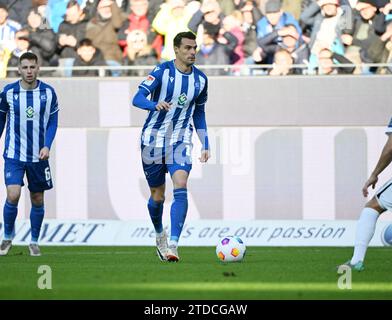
(381, 202)
(178, 94)
(32, 111)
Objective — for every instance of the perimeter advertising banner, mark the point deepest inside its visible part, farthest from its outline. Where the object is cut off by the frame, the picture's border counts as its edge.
(201, 233)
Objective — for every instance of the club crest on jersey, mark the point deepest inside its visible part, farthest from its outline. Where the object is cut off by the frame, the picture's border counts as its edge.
(43, 97)
(16, 96)
(182, 99)
(150, 79)
(30, 112)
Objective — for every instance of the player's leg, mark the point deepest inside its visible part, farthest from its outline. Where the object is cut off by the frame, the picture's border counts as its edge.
(365, 230)
(179, 167)
(13, 177)
(366, 225)
(155, 206)
(155, 172)
(39, 179)
(178, 211)
(37, 213)
(10, 212)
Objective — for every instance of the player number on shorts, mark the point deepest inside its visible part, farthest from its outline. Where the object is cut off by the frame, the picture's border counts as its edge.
(47, 174)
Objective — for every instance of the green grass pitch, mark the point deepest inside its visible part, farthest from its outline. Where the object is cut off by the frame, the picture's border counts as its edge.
(136, 273)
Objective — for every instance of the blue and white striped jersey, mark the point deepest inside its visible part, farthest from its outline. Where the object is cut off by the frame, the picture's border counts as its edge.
(28, 116)
(184, 91)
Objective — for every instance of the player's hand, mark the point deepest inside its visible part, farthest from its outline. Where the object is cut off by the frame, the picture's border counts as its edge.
(44, 153)
(370, 182)
(205, 155)
(163, 105)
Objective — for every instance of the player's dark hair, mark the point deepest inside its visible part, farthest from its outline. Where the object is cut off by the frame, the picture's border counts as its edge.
(183, 35)
(28, 56)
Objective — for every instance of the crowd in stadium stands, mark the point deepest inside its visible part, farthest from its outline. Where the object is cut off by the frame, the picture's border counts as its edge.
(318, 34)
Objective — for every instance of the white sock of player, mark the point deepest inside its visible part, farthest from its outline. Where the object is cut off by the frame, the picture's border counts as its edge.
(173, 243)
(365, 231)
(159, 234)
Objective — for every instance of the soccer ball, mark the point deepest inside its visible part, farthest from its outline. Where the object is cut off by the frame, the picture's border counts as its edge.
(230, 249)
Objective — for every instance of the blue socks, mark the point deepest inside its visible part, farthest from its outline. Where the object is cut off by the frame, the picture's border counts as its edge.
(36, 218)
(156, 209)
(178, 212)
(9, 214)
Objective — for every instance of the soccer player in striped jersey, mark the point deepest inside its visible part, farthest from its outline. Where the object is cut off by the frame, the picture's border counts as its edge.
(381, 202)
(178, 94)
(31, 110)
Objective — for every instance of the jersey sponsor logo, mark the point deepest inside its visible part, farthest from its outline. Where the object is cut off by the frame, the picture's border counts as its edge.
(150, 79)
(30, 112)
(182, 99)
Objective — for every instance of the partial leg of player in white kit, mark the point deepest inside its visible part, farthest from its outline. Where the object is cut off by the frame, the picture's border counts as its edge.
(381, 202)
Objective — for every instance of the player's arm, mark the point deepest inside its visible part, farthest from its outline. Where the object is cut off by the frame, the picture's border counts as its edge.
(146, 88)
(199, 120)
(383, 162)
(3, 111)
(51, 129)
(140, 100)
(3, 119)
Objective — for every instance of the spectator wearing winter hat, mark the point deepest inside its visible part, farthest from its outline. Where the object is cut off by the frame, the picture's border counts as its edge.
(275, 19)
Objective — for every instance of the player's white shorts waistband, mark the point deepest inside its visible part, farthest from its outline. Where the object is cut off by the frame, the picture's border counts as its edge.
(384, 196)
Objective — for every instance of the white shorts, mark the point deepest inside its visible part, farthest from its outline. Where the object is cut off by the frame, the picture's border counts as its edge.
(384, 196)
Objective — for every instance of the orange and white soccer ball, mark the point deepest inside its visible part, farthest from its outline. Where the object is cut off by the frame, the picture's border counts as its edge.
(230, 249)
